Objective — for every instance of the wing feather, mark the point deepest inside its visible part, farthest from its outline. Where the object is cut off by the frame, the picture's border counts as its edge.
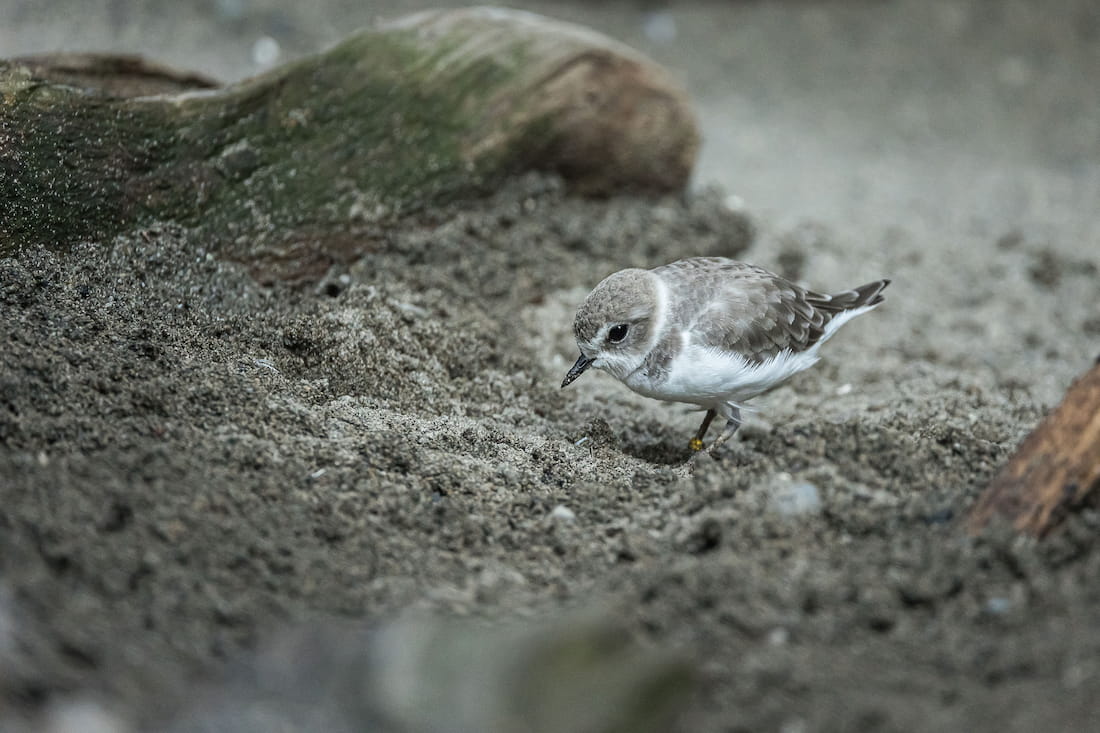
(735, 306)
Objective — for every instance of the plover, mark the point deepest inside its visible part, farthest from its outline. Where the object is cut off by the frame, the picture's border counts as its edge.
(708, 331)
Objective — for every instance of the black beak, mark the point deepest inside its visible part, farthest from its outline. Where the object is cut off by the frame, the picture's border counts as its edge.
(583, 362)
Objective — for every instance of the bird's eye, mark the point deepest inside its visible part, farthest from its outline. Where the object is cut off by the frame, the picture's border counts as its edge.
(617, 333)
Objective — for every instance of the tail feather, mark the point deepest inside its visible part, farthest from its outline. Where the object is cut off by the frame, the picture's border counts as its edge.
(865, 295)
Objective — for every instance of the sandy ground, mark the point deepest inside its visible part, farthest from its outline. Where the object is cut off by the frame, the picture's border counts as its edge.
(190, 460)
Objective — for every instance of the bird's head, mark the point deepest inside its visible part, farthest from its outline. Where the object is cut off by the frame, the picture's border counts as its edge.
(614, 326)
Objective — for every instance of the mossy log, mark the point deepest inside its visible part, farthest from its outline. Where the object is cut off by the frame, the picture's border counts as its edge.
(309, 161)
(1056, 468)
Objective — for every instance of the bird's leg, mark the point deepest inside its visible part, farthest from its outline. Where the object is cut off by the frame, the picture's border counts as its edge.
(732, 423)
(696, 443)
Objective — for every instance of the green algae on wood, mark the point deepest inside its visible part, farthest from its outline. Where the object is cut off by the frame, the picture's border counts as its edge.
(313, 160)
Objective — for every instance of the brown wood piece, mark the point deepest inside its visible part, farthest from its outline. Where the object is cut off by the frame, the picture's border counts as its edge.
(117, 75)
(1055, 469)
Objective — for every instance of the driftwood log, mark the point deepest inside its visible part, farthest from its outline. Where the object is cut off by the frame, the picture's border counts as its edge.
(308, 162)
(1056, 468)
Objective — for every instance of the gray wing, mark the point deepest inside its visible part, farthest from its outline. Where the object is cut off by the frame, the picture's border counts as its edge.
(739, 307)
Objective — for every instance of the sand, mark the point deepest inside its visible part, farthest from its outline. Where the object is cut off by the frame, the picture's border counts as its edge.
(191, 461)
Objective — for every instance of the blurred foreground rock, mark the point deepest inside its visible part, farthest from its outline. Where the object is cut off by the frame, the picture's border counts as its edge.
(311, 162)
(419, 674)
(422, 675)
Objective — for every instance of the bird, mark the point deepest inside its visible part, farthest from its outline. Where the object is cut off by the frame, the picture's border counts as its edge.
(708, 331)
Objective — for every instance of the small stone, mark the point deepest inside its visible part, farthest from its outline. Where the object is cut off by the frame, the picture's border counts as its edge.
(411, 310)
(265, 51)
(733, 202)
(562, 513)
(83, 716)
(793, 498)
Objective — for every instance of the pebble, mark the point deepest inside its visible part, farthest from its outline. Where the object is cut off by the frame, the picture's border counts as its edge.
(562, 513)
(735, 203)
(411, 310)
(793, 498)
(83, 717)
(265, 51)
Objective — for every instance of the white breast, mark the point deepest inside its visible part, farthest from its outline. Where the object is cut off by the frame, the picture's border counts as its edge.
(708, 376)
